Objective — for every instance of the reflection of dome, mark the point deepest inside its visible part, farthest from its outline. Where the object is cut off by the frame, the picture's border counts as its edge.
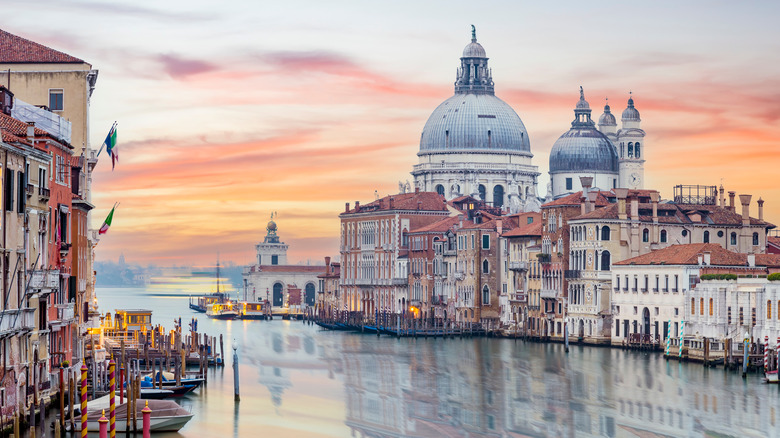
(474, 122)
(631, 113)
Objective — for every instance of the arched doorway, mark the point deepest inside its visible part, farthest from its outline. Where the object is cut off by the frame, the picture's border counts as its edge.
(278, 297)
(309, 294)
(646, 321)
(582, 329)
(498, 196)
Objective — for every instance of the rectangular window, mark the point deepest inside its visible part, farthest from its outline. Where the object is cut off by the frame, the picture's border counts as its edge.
(472, 241)
(274, 259)
(56, 102)
(8, 194)
(21, 194)
(666, 329)
(568, 184)
(485, 241)
(617, 327)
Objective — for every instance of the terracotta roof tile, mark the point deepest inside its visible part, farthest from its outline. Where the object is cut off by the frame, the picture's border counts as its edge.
(574, 199)
(427, 201)
(688, 254)
(773, 240)
(533, 229)
(17, 50)
(439, 226)
(317, 269)
(768, 260)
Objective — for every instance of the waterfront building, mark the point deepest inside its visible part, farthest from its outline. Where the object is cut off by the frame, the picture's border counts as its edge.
(520, 265)
(475, 144)
(273, 279)
(658, 288)
(555, 258)
(328, 292)
(54, 90)
(375, 249)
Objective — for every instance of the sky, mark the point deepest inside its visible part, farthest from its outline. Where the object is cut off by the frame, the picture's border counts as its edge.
(229, 111)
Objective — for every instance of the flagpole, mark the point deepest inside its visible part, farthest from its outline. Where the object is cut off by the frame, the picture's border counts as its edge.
(104, 143)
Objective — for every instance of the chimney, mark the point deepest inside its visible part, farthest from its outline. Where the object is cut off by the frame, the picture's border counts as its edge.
(707, 258)
(327, 263)
(460, 221)
(592, 201)
(357, 205)
(751, 259)
(416, 189)
(654, 198)
(745, 201)
(587, 183)
(722, 196)
(701, 259)
(731, 201)
(346, 207)
(760, 209)
(621, 195)
(30, 131)
(391, 202)
(499, 226)
(419, 205)
(635, 207)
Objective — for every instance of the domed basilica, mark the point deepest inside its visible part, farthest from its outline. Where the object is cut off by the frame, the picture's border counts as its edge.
(475, 144)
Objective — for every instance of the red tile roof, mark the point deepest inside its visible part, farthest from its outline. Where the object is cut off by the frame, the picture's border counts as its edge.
(17, 127)
(688, 254)
(773, 240)
(669, 213)
(768, 260)
(304, 269)
(17, 50)
(533, 229)
(439, 226)
(574, 199)
(424, 201)
(7, 137)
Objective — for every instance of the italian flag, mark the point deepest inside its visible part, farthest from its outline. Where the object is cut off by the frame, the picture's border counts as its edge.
(107, 222)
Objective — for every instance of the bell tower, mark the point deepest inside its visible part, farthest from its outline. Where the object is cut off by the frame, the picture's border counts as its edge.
(631, 148)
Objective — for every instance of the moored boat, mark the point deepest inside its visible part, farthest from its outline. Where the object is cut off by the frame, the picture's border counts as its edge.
(771, 376)
(166, 416)
(222, 311)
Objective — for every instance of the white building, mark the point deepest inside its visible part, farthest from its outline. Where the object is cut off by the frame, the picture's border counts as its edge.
(475, 144)
(272, 279)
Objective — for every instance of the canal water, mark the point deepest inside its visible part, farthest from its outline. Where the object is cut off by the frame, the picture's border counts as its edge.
(298, 380)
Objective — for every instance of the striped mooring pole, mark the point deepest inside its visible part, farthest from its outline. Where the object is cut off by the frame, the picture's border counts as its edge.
(83, 401)
(766, 352)
(777, 351)
(112, 405)
(669, 338)
(682, 328)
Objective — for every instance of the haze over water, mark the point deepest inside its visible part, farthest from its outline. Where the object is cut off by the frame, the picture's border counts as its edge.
(299, 380)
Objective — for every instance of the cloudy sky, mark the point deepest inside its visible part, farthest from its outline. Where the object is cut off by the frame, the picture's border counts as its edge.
(231, 110)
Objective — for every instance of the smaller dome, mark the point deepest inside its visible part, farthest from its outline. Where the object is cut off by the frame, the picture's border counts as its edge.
(607, 119)
(271, 226)
(474, 50)
(631, 114)
(582, 103)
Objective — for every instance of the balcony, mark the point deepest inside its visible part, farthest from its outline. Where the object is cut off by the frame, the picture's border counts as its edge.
(459, 275)
(439, 300)
(571, 274)
(45, 280)
(17, 320)
(549, 293)
(44, 193)
(30, 190)
(400, 281)
(65, 315)
(518, 266)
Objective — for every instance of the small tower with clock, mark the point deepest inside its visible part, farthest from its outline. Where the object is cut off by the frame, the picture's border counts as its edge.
(631, 149)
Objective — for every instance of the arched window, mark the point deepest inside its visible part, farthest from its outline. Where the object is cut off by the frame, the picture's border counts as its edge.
(645, 235)
(309, 295)
(605, 261)
(733, 238)
(482, 192)
(440, 189)
(706, 237)
(605, 233)
(768, 309)
(485, 295)
(278, 298)
(636, 150)
(485, 267)
(498, 196)
(701, 306)
(755, 239)
(710, 306)
(663, 236)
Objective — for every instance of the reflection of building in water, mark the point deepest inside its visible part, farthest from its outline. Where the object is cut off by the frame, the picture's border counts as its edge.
(496, 388)
(285, 352)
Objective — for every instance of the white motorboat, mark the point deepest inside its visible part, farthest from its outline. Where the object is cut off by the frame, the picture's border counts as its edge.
(166, 416)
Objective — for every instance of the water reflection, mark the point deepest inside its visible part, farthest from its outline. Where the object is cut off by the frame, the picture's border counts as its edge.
(298, 380)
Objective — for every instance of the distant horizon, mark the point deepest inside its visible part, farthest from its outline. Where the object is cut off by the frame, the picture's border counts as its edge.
(227, 115)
